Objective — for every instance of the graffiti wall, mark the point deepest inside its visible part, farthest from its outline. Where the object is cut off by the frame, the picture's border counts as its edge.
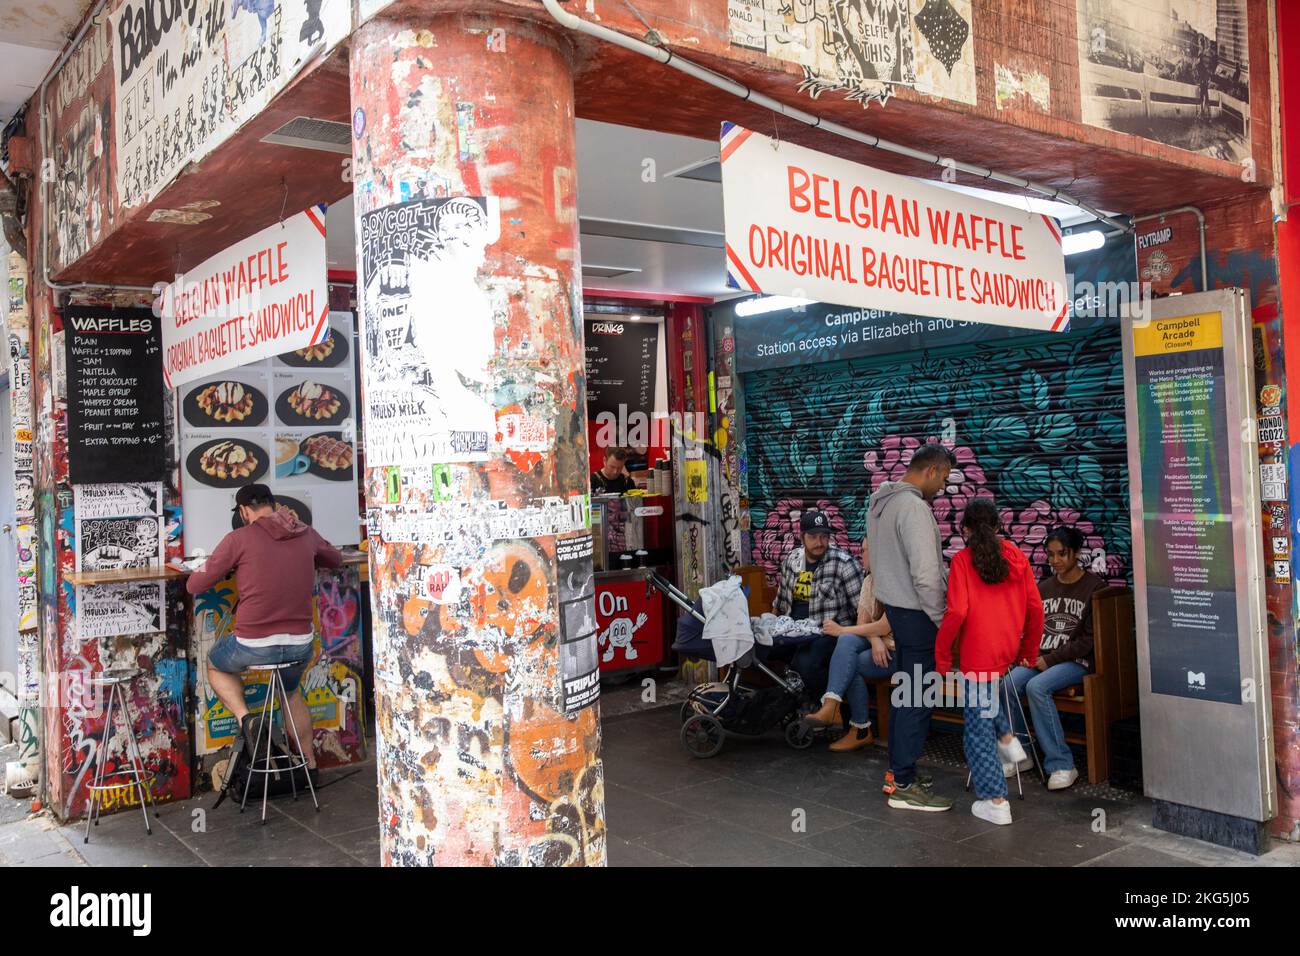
(331, 684)
(1038, 426)
(865, 48)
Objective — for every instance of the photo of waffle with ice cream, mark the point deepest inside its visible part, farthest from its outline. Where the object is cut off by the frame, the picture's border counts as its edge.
(311, 402)
(225, 403)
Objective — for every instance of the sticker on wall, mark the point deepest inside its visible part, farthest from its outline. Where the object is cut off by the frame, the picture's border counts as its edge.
(697, 481)
(1273, 481)
(1282, 572)
(1271, 431)
(1022, 89)
(427, 385)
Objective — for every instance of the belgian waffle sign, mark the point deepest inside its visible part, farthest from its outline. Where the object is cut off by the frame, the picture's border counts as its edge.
(428, 325)
(805, 224)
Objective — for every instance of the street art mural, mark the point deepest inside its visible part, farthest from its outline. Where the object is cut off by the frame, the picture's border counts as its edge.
(331, 685)
(1177, 73)
(1038, 428)
(865, 48)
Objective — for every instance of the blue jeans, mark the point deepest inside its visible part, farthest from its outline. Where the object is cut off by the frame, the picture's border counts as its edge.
(850, 664)
(1039, 686)
(230, 657)
(811, 661)
(909, 724)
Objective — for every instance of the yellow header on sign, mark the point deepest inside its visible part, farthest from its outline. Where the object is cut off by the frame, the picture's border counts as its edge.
(1181, 333)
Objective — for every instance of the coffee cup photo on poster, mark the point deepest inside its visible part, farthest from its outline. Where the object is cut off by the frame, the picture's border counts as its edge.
(321, 455)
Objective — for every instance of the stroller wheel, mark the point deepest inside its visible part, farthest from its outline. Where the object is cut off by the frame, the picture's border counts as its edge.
(686, 711)
(702, 735)
(799, 735)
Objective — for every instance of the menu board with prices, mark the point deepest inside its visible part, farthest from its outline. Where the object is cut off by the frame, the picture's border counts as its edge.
(1187, 519)
(115, 395)
(622, 359)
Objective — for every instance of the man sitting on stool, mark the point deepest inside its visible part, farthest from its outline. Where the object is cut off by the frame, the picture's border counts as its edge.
(274, 557)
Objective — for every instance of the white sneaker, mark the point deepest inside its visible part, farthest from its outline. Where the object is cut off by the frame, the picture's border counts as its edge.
(1012, 752)
(1061, 779)
(999, 813)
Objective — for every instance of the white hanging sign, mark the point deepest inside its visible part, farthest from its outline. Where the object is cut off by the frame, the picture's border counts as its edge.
(261, 297)
(806, 224)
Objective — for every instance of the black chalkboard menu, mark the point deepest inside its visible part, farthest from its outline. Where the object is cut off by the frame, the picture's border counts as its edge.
(622, 364)
(115, 395)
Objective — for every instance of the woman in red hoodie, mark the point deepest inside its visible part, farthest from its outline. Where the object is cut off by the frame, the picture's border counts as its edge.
(994, 611)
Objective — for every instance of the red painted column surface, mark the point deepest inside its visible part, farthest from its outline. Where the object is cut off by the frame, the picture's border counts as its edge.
(476, 452)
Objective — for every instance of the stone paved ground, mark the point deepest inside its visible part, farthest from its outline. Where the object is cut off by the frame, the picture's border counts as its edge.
(665, 808)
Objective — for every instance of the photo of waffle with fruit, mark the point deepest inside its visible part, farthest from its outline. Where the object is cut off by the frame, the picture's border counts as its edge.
(228, 459)
(226, 402)
(314, 401)
(328, 452)
(318, 352)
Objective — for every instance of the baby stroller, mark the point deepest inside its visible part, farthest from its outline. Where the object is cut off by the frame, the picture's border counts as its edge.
(713, 710)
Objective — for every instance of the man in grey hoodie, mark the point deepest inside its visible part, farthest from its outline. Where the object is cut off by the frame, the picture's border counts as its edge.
(912, 583)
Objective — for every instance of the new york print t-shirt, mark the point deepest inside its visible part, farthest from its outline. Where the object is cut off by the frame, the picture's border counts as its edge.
(1066, 609)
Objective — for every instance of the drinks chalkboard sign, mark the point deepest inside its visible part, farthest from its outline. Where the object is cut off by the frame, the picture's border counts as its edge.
(622, 365)
(115, 395)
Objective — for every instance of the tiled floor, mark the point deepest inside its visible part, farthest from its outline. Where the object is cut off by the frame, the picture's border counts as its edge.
(756, 803)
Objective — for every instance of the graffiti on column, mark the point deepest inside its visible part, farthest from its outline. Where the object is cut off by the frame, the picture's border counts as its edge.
(478, 508)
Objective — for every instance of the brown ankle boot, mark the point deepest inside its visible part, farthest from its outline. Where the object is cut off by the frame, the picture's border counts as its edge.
(855, 739)
(827, 715)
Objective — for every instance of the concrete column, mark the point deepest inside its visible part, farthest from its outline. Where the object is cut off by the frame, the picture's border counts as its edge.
(474, 430)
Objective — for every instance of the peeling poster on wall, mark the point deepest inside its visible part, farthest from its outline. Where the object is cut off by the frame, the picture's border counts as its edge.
(428, 327)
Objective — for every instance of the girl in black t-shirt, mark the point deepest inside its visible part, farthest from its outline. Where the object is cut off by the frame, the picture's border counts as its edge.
(1064, 656)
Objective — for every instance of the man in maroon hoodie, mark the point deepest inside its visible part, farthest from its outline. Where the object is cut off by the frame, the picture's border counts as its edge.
(274, 557)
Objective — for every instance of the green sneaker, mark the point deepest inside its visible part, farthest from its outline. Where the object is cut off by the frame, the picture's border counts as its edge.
(923, 780)
(917, 797)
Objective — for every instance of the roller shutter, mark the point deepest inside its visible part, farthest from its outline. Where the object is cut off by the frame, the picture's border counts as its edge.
(1037, 423)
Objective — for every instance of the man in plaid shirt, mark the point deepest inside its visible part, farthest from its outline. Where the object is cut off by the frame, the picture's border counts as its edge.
(818, 583)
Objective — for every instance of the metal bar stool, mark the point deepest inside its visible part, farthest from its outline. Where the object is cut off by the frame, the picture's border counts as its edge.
(1027, 734)
(115, 679)
(290, 764)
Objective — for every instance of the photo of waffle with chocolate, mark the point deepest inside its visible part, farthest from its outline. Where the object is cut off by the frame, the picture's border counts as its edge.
(227, 463)
(331, 457)
(318, 352)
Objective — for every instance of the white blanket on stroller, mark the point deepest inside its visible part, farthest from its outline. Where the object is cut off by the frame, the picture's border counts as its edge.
(726, 620)
(770, 625)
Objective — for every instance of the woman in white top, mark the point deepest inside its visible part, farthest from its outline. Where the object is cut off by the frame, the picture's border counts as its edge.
(864, 650)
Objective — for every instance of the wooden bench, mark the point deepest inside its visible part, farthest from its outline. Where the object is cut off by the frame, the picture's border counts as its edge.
(1107, 694)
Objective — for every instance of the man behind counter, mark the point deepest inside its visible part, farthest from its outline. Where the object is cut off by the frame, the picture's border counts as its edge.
(274, 557)
(612, 477)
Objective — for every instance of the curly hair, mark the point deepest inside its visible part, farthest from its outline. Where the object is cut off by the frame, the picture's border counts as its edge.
(981, 524)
